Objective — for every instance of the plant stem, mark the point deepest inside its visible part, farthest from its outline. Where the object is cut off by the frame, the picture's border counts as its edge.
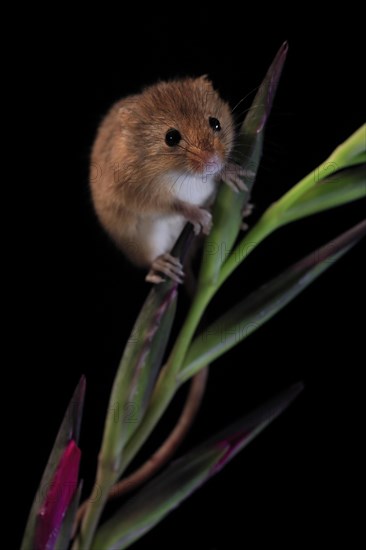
(103, 484)
(266, 225)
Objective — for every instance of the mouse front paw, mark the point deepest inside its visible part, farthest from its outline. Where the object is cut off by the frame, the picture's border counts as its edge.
(235, 177)
(203, 222)
(245, 213)
(200, 218)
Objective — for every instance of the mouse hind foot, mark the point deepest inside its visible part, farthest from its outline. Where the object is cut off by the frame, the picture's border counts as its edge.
(167, 265)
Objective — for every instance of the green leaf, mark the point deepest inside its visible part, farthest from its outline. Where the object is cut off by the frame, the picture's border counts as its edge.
(227, 214)
(347, 152)
(139, 367)
(186, 475)
(358, 159)
(64, 537)
(350, 152)
(247, 316)
(69, 430)
(340, 188)
(140, 363)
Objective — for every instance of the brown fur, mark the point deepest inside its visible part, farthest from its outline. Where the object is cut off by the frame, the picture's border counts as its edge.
(130, 157)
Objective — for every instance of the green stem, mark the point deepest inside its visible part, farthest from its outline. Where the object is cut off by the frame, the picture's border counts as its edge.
(103, 484)
(264, 227)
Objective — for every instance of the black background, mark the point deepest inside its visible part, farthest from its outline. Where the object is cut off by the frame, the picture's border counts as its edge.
(75, 297)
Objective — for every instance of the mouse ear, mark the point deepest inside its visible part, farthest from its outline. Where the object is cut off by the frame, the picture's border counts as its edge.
(206, 82)
(126, 108)
(205, 79)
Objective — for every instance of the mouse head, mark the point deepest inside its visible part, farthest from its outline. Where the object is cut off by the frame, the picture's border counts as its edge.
(182, 125)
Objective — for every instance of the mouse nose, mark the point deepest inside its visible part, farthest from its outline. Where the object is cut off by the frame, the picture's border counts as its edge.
(212, 164)
(206, 162)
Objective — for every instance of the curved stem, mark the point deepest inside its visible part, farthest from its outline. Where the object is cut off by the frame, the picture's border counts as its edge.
(165, 451)
(171, 444)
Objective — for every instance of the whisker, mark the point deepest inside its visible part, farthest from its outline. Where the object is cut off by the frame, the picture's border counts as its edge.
(244, 112)
(188, 142)
(189, 151)
(244, 98)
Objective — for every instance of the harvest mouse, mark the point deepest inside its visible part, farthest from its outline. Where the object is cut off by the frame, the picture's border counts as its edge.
(156, 163)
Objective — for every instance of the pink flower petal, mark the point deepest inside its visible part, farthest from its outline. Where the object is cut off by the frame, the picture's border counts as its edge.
(58, 498)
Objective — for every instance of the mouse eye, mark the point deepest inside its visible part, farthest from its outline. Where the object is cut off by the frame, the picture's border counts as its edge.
(215, 124)
(172, 137)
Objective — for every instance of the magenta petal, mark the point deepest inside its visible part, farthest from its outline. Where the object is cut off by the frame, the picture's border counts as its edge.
(58, 497)
(230, 446)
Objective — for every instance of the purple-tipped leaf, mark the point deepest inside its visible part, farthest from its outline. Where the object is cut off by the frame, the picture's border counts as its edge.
(58, 497)
(229, 206)
(185, 475)
(260, 306)
(66, 439)
(141, 361)
(261, 107)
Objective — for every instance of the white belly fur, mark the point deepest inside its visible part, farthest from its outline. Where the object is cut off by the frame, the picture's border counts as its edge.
(161, 232)
(193, 189)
